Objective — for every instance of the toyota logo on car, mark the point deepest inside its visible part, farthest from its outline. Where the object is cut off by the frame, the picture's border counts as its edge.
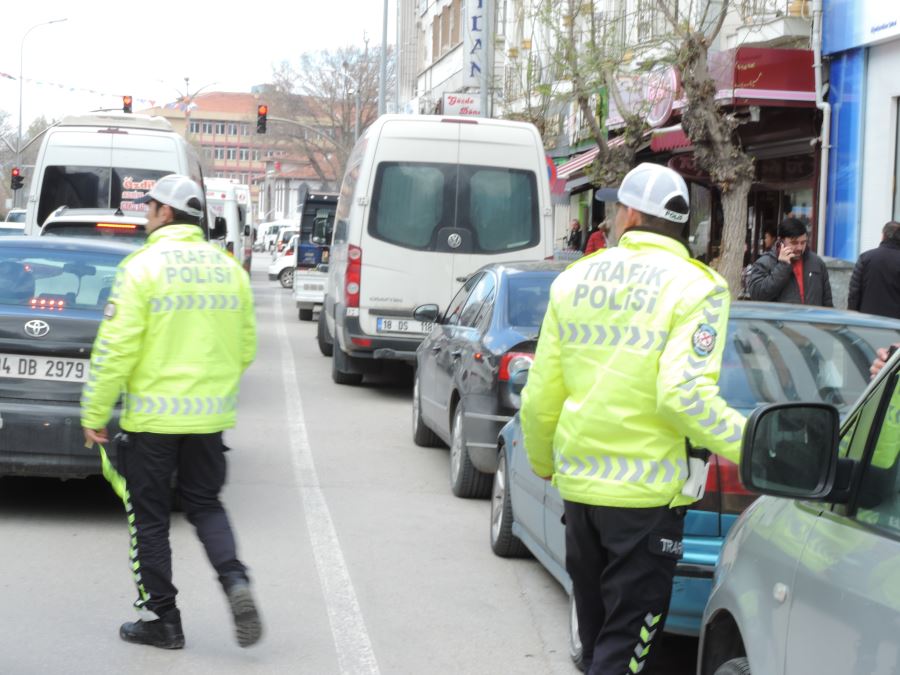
(37, 328)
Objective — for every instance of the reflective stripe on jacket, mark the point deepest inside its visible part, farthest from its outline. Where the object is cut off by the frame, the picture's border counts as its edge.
(625, 369)
(177, 333)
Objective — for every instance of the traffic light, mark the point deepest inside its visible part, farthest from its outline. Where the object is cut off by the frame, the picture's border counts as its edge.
(261, 112)
(126, 104)
(17, 179)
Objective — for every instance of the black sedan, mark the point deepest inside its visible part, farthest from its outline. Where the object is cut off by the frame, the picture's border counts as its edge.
(52, 294)
(488, 332)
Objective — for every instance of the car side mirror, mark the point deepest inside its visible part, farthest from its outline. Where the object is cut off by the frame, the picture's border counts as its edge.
(219, 228)
(791, 450)
(427, 313)
(246, 230)
(322, 267)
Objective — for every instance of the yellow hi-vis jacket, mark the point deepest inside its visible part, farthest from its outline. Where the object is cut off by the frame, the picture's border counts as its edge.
(177, 334)
(625, 369)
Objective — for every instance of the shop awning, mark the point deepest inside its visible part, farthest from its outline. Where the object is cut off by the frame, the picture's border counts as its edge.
(578, 162)
(669, 138)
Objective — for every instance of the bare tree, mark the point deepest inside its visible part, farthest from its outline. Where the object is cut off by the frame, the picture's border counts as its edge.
(326, 95)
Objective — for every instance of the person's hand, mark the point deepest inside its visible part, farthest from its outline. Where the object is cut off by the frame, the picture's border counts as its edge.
(92, 436)
(786, 254)
(881, 357)
(550, 477)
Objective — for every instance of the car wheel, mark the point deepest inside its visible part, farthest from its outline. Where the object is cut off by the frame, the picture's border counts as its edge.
(576, 651)
(739, 666)
(286, 277)
(326, 346)
(338, 373)
(422, 435)
(304, 314)
(465, 480)
(503, 542)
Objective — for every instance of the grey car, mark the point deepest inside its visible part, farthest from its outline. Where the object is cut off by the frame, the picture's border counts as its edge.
(808, 581)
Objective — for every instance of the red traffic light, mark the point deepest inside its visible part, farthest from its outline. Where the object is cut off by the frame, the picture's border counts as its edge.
(15, 172)
(262, 110)
(126, 104)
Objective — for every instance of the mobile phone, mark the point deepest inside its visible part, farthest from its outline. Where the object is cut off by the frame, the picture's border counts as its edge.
(891, 351)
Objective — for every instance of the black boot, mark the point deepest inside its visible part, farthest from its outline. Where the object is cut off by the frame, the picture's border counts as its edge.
(247, 625)
(164, 632)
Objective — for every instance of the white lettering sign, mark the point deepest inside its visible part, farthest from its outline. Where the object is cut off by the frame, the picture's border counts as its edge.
(474, 52)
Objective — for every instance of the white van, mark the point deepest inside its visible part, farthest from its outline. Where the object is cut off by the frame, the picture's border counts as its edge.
(223, 200)
(426, 201)
(105, 161)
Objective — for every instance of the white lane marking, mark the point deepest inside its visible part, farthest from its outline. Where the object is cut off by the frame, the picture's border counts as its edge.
(348, 629)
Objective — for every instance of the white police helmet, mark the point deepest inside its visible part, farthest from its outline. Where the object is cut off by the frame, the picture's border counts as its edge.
(657, 191)
(180, 192)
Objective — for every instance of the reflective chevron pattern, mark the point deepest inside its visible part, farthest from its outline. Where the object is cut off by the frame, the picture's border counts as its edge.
(180, 405)
(637, 337)
(624, 470)
(642, 649)
(210, 301)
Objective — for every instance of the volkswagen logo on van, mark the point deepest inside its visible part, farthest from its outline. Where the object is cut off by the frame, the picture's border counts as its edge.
(454, 241)
(37, 328)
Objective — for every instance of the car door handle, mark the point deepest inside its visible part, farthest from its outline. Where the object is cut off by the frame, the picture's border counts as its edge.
(436, 349)
(462, 280)
(455, 353)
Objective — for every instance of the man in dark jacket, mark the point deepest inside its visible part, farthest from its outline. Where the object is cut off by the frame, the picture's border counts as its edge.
(875, 283)
(790, 272)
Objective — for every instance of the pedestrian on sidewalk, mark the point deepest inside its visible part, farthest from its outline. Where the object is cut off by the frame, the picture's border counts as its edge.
(790, 272)
(592, 404)
(177, 333)
(597, 240)
(875, 282)
(574, 238)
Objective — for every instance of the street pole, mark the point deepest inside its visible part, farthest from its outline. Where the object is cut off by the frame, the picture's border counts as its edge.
(486, 61)
(382, 78)
(21, 68)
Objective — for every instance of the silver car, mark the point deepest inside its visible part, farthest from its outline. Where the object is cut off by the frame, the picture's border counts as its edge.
(808, 580)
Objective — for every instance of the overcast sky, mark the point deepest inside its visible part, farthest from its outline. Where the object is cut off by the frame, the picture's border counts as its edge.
(106, 49)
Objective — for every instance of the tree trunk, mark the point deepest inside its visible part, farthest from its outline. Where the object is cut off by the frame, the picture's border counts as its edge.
(734, 235)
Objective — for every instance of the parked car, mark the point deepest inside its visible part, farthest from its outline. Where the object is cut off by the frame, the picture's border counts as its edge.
(11, 229)
(52, 294)
(284, 264)
(282, 240)
(104, 223)
(773, 353)
(460, 396)
(16, 216)
(309, 292)
(808, 581)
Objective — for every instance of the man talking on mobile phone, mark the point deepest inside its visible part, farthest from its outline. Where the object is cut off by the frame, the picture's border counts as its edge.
(790, 272)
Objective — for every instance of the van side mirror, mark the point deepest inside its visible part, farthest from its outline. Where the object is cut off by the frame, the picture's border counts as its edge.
(219, 228)
(427, 313)
(791, 450)
(322, 267)
(246, 230)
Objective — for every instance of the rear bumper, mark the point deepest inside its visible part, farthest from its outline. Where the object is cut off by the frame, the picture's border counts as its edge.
(45, 439)
(375, 346)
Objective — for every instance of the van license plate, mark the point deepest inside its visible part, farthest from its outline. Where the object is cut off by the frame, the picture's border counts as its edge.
(15, 366)
(386, 325)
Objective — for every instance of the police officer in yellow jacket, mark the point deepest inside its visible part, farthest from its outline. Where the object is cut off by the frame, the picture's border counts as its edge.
(624, 372)
(178, 332)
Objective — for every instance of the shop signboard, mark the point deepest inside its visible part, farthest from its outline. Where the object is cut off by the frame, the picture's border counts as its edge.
(847, 24)
(462, 105)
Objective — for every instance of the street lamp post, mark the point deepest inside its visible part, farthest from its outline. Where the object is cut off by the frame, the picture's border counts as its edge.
(21, 58)
(355, 82)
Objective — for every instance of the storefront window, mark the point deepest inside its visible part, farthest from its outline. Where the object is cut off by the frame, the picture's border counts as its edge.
(701, 222)
(798, 204)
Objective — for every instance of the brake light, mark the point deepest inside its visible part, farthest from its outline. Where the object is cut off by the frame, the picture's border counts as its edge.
(117, 226)
(724, 482)
(512, 362)
(290, 251)
(44, 303)
(353, 275)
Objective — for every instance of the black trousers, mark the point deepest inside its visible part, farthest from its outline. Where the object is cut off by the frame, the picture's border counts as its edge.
(148, 462)
(622, 563)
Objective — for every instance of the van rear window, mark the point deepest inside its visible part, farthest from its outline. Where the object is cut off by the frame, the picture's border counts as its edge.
(92, 187)
(494, 209)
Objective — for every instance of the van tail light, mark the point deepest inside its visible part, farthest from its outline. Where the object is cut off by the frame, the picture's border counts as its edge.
(512, 362)
(289, 252)
(724, 491)
(353, 275)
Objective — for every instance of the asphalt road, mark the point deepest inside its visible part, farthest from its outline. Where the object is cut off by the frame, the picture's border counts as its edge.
(361, 558)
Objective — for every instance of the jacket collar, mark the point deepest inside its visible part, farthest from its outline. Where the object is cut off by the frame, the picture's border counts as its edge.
(890, 243)
(637, 238)
(175, 232)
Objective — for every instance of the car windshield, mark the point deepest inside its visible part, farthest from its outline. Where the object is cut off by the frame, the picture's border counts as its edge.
(527, 297)
(768, 361)
(11, 231)
(126, 232)
(15, 217)
(56, 278)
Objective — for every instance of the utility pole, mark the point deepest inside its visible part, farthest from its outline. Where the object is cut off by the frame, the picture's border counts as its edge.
(486, 64)
(382, 77)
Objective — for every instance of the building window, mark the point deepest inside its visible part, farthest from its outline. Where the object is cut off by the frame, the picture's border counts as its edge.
(194, 127)
(445, 30)
(245, 178)
(220, 153)
(455, 21)
(245, 154)
(436, 38)
(245, 130)
(256, 155)
(220, 128)
(232, 129)
(207, 127)
(232, 153)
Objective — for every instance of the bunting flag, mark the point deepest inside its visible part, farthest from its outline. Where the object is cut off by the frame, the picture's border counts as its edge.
(41, 83)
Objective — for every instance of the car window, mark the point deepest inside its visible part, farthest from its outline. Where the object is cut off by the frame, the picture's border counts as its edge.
(476, 300)
(483, 320)
(412, 200)
(451, 316)
(527, 298)
(770, 361)
(878, 498)
(11, 231)
(56, 279)
(118, 231)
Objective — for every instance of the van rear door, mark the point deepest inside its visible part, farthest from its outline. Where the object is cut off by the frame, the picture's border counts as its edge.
(410, 216)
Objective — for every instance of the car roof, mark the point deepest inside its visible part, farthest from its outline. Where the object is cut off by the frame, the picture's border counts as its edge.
(94, 215)
(528, 266)
(91, 244)
(780, 311)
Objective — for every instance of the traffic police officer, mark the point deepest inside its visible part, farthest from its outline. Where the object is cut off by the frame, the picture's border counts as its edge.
(178, 332)
(624, 372)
